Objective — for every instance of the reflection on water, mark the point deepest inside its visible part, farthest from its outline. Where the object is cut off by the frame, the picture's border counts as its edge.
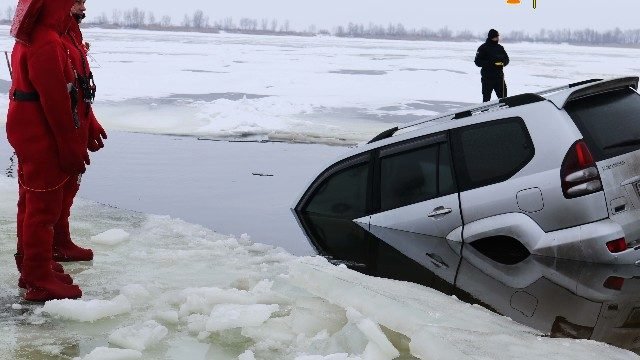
(561, 298)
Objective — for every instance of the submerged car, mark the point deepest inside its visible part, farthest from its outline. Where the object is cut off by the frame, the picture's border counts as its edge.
(554, 173)
(559, 298)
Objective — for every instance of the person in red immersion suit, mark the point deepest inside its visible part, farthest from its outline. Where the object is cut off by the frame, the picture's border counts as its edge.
(45, 130)
(92, 133)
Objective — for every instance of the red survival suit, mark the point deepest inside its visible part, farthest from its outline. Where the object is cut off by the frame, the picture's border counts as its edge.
(91, 134)
(47, 134)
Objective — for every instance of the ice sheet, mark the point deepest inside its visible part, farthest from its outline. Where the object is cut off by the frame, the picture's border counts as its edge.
(287, 307)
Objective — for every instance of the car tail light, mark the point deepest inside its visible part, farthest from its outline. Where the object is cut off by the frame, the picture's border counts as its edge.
(614, 283)
(579, 174)
(616, 246)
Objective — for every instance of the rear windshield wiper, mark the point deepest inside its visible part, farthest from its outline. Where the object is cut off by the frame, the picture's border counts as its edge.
(630, 142)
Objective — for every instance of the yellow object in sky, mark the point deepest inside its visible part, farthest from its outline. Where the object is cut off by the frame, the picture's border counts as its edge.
(517, 2)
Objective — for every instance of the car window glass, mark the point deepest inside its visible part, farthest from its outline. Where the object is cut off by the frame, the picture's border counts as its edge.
(343, 194)
(609, 122)
(409, 177)
(491, 152)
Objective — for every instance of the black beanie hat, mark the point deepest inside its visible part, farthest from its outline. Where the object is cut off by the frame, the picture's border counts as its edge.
(492, 34)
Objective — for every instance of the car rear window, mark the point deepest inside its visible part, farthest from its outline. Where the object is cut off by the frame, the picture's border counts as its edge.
(609, 122)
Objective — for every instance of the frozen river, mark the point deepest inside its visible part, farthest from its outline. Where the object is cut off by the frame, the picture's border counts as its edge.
(169, 289)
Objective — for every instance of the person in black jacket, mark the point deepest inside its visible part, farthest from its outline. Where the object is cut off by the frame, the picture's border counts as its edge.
(492, 58)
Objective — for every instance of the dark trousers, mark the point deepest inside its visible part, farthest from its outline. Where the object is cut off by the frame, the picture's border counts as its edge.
(490, 84)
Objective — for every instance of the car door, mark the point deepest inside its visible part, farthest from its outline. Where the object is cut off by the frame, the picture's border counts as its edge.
(488, 158)
(326, 212)
(414, 188)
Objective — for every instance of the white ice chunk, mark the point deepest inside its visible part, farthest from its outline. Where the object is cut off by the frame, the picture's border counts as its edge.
(169, 316)
(202, 300)
(111, 237)
(426, 344)
(136, 294)
(374, 352)
(247, 355)
(230, 316)
(197, 323)
(139, 337)
(382, 346)
(87, 311)
(104, 353)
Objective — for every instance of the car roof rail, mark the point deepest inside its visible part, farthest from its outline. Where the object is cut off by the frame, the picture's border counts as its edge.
(508, 102)
(568, 86)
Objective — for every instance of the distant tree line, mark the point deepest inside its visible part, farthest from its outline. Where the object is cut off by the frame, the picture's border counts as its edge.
(581, 36)
(198, 21)
(399, 31)
(136, 18)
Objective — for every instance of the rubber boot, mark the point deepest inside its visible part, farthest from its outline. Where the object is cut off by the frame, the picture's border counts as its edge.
(20, 219)
(46, 287)
(43, 209)
(64, 250)
(60, 276)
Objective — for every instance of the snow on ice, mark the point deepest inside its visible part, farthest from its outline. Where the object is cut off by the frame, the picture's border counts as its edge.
(316, 89)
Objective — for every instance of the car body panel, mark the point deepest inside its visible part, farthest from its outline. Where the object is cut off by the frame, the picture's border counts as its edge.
(621, 182)
(415, 217)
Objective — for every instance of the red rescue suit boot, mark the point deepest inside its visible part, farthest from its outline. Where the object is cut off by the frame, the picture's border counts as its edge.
(64, 249)
(42, 212)
(60, 276)
(20, 218)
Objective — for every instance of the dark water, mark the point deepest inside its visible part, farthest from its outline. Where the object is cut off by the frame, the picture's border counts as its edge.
(230, 187)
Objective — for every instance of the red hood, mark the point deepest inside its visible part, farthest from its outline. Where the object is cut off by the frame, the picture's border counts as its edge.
(31, 14)
(25, 19)
(56, 14)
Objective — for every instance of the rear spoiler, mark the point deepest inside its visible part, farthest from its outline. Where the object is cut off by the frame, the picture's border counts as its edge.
(561, 99)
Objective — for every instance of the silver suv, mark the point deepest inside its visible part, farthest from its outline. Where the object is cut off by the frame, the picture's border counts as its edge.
(556, 173)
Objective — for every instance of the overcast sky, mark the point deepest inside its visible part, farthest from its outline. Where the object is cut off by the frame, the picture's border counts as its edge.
(475, 15)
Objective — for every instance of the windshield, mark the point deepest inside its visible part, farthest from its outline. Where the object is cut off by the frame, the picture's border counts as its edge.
(609, 122)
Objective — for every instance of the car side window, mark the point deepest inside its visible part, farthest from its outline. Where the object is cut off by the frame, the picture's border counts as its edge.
(415, 176)
(491, 152)
(343, 194)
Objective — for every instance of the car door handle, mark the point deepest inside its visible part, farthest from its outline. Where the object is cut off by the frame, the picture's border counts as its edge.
(439, 211)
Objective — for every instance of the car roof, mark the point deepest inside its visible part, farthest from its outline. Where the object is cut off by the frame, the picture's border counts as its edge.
(558, 96)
